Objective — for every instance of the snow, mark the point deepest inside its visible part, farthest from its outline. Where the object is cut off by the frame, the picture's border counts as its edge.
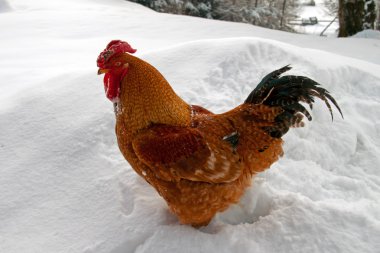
(324, 16)
(370, 34)
(65, 187)
(4, 6)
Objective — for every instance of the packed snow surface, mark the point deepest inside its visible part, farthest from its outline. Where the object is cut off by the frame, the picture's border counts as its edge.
(65, 187)
(369, 34)
(4, 6)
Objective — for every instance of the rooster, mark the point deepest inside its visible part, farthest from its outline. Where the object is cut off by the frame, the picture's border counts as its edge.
(198, 161)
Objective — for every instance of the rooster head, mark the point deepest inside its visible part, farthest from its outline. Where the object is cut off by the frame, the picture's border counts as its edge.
(112, 64)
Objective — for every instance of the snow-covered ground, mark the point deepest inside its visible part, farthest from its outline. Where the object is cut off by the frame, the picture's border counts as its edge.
(324, 16)
(64, 186)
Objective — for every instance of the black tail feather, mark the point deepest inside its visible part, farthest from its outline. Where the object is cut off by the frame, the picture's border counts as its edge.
(287, 92)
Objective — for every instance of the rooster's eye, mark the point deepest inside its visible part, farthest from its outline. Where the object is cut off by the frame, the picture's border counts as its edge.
(117, 64)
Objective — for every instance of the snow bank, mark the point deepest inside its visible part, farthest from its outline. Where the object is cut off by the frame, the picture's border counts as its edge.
(368, 34)
(4, 6)
(71, 181)
(66, 188)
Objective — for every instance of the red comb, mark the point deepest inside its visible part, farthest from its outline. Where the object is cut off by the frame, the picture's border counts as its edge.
(113, 48)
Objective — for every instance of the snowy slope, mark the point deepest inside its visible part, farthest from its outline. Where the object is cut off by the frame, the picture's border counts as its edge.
(66, 188)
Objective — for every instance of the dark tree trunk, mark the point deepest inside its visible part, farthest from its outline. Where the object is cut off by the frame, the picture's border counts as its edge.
(378, 16)
(369, 14)
(351, 15)
(283, 13)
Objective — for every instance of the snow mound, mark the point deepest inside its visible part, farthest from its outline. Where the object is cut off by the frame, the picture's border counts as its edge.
(368, 34)
(72, 182)
(4, 6)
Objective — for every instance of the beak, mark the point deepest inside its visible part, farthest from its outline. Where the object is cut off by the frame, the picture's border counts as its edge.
(103, 71)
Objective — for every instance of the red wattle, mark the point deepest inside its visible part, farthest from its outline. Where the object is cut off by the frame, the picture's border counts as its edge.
(112, 87)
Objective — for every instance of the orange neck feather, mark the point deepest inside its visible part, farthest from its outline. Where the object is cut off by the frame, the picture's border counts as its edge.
(146, 98)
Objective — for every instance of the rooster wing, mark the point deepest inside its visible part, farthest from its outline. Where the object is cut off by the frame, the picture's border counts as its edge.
(176, 153)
